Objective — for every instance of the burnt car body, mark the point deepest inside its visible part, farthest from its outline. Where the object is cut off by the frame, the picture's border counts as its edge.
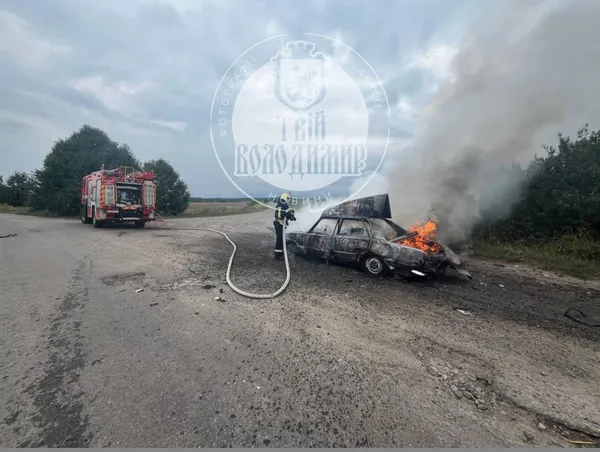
(360, 232)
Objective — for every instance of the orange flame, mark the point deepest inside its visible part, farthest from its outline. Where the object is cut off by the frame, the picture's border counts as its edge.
(425, 240)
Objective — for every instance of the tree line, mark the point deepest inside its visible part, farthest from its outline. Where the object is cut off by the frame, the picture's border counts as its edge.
(55, 188)
(558, 196)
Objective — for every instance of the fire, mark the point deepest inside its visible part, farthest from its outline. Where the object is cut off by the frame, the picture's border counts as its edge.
(425, 238)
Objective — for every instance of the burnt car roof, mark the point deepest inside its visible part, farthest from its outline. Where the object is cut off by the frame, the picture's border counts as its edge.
(399, 229)
(369, 207)
(346, 217)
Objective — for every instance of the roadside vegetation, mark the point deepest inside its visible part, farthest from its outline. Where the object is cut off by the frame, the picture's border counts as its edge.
(555, 219)
(221, 208)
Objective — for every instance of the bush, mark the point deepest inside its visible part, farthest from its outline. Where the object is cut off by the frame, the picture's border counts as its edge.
(560, 198)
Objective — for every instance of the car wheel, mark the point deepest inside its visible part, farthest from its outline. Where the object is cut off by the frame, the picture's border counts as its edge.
(140, 224)
(374, 266)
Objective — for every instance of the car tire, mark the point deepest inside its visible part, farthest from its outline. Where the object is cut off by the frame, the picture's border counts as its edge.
(140, 224)
(374, 266)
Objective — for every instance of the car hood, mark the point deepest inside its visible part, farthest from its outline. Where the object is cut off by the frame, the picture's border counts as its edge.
(446, 251)
(452, 257)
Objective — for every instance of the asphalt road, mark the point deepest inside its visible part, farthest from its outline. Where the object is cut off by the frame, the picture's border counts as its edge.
(339, 360)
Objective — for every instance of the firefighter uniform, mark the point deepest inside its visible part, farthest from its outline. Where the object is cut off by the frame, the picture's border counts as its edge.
(282, 214)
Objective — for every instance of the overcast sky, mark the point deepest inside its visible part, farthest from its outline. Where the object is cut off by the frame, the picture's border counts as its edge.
(145, 71)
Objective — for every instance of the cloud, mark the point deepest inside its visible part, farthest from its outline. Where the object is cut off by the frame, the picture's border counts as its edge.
(145, 71)
(437, 59)
(20, 42)
(178, 126)
(119, 96)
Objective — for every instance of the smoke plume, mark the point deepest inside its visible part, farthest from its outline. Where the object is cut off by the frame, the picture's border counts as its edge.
(517, 80)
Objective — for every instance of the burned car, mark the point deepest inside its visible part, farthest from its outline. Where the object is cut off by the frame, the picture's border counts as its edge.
(361, 232)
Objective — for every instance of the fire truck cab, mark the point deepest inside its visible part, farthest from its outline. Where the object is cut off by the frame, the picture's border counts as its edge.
(118, 195)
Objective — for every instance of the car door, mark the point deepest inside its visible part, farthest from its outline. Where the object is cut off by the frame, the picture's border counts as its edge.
(352, 238)
(319, 241)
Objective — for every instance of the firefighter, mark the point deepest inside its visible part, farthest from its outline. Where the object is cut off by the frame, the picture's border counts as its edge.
(282, 213)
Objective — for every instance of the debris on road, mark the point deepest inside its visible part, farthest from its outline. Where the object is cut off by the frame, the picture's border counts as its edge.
(139, 290)
(542, 427)
(220, 299)
(464, 312)
(208, 286)
(154, 304)
(7, 235)
(582, 443)
(568, 314)
(457, 392)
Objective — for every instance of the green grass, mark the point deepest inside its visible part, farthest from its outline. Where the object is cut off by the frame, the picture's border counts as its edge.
(577, 256)
(5, 208)
(217, 209)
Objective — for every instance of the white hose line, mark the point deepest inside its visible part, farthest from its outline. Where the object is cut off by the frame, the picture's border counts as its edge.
(233, 287)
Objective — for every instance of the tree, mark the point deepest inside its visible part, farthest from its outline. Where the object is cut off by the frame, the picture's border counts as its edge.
(56, 187)
(18, 189)
(561, 193)
(3, 192)
(172, 197)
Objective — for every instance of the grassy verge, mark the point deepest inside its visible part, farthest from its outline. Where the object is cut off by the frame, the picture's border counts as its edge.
(5, 208)
(574, 255)
(217, 209)
(196, 210)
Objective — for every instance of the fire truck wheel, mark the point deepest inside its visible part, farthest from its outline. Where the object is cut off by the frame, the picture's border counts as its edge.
(95, 222)
(140, 224)
(84, 218)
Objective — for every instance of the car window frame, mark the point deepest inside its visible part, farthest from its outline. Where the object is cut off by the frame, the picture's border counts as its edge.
(365, 224)
(335, 228)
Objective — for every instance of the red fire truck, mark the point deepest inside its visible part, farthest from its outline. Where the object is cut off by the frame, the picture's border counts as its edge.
(118, 195)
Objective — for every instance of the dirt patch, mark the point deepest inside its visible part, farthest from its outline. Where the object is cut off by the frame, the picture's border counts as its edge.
(466, 376)
(124, 278)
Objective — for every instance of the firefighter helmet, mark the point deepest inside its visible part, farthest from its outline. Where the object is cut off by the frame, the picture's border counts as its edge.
(285, 198)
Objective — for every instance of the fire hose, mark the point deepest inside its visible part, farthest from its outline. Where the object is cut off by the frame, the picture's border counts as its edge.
(228, 275)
